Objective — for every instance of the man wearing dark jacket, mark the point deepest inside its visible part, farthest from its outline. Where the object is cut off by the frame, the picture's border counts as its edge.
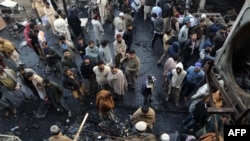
(75, 23)
(86, 69)
(52, 58)
(166, 13)
(81, 46)
(71, 82)
(128, 36)
(55, 95)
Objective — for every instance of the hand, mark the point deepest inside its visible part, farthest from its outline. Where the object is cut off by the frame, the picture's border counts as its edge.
(17, 87)
(46, 99)
(47, 56)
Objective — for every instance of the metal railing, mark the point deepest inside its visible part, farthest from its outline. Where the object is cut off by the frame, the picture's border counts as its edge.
(9, 138)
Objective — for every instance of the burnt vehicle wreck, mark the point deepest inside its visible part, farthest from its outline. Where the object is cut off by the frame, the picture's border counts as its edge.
(233, 65)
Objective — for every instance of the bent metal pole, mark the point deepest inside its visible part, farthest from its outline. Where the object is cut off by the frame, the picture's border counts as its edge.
(80, 128)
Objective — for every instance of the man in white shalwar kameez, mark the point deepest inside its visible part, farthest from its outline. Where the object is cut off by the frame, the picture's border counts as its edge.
(102, 10)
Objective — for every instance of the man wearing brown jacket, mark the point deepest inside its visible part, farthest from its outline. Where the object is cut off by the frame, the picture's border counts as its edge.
(105, 105)
(144, 113)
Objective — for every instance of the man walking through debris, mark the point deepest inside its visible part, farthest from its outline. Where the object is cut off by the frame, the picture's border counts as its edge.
(56, 134)
(146, 114)
(72, 82)
(16, 93)
(55, 95)
(105, 105)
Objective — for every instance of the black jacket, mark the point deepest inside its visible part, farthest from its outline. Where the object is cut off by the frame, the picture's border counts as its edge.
(53, 56)
(200, 113)
(150, 2)
(166, 11)
(128, 37)
(71, 84)
(75, 24)
(81, 48)
(87, 70)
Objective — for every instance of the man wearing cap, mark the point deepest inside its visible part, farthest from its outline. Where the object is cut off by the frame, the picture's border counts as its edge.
(87, 72)
(205, 56)
(119, 23)
(194, 78)
(140, 133)
(164, 137)
(98, 29)
(56, 134)
(132, 67)
(146, 114)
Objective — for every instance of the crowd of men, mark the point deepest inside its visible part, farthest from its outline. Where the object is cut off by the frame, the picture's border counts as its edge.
(188, 43)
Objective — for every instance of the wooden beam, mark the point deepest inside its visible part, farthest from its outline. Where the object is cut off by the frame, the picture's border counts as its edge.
(243, 114)
(220, 110)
